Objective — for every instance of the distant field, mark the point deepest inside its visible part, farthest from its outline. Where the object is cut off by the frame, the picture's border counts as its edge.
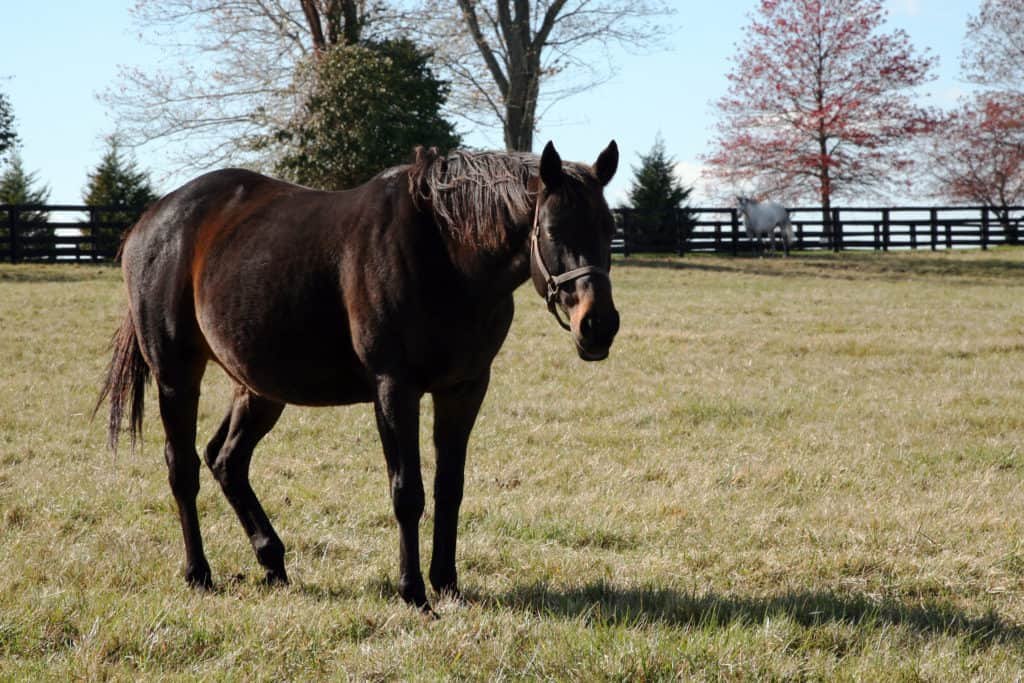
(802, 468)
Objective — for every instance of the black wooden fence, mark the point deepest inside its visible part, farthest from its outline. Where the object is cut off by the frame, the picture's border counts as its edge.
(93, 233)
(62, 232)
(849, 228)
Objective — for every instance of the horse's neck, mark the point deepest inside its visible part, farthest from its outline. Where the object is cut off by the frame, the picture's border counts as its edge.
(495, 271)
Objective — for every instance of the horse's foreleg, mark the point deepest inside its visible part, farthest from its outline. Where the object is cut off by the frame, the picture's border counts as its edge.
(228, 456)
(397, 410)
(178, 411)
(455, 413)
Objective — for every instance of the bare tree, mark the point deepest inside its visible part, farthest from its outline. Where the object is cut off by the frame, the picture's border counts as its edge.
(993, 53)
(977, 152)
(229, 73)
(508, 58)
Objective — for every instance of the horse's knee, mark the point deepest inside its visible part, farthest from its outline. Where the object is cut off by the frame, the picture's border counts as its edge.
(409, 500)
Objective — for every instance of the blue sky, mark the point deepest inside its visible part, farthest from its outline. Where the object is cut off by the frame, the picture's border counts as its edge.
(57, 55)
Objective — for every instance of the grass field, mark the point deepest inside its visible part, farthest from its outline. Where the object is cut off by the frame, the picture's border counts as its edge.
(803, 468)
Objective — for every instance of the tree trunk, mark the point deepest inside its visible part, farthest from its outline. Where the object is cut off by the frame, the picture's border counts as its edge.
(825, 190)
(520, 108)
(1010, 228)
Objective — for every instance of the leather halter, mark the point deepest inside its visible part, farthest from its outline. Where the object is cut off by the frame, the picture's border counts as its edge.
(554, 282)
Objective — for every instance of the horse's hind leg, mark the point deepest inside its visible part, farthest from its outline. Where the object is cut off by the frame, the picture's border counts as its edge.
(178, 411)
(228, 455)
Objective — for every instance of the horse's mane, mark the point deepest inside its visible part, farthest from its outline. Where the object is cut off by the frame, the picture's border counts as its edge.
(477, 196)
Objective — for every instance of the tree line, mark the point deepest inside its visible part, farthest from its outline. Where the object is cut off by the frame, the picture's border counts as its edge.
(821, 101)
(821, 105)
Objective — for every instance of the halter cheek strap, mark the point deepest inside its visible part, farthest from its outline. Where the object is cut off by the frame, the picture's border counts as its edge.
(554, 282)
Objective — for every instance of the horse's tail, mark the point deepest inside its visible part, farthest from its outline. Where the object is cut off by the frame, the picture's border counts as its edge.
(127, 376)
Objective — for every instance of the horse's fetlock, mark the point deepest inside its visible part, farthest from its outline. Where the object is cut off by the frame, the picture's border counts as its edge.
(444, 581)
(198, 575)
(267, 548)
(413, 590)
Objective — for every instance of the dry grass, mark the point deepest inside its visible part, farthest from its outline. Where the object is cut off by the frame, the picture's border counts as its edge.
(803, 468)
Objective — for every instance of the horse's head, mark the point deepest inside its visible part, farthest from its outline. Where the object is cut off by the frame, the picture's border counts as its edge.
(570, 253)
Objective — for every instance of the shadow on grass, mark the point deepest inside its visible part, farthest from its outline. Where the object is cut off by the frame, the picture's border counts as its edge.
(606, 604)
(990, 268)
(59, 272)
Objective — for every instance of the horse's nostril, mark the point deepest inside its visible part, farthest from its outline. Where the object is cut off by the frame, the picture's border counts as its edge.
(599, 328)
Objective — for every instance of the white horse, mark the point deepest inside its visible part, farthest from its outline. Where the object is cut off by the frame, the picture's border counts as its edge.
(761, 219)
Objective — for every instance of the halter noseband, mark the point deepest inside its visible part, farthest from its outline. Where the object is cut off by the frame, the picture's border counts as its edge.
(555, 282)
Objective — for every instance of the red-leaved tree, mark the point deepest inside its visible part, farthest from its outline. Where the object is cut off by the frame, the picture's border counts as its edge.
(820, 103)
(976, 154)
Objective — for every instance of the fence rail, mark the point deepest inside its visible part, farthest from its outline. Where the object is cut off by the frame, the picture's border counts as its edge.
(848, 228)
(75, 232)
(62, 232)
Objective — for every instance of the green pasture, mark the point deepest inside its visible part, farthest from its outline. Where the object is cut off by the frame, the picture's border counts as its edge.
(803, 468)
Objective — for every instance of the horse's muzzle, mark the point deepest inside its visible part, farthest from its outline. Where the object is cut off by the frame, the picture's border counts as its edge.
(595, 332)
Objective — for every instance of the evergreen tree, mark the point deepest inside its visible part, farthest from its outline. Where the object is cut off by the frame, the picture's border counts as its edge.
(371, 104)
(117, 183)
(658, 197)
(8, 138)
(17, 186)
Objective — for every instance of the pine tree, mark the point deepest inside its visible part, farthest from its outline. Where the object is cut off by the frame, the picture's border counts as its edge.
(657, 197)
(17, 186)
(8, 138)
(116, 183)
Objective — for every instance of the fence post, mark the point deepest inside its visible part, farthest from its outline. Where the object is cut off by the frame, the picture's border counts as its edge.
(12, 230)
(94, 251)
(625, 232)
(885, 230)
(680, 236)
(735, 231)
(933, 220)
(984, 228)
(837, 231)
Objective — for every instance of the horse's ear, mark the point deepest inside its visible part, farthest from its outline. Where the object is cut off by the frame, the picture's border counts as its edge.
(607, 162)
(550, 167)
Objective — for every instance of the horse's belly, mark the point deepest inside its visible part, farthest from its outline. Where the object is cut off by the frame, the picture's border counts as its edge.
(287, 350)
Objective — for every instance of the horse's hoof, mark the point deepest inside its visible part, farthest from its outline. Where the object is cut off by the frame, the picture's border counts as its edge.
(452, 594)
(199, 577)
(276, 577)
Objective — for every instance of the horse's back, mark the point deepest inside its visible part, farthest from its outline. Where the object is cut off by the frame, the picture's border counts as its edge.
(766, 215)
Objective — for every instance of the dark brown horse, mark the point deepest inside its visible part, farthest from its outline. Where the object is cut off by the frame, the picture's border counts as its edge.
(400, 287)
